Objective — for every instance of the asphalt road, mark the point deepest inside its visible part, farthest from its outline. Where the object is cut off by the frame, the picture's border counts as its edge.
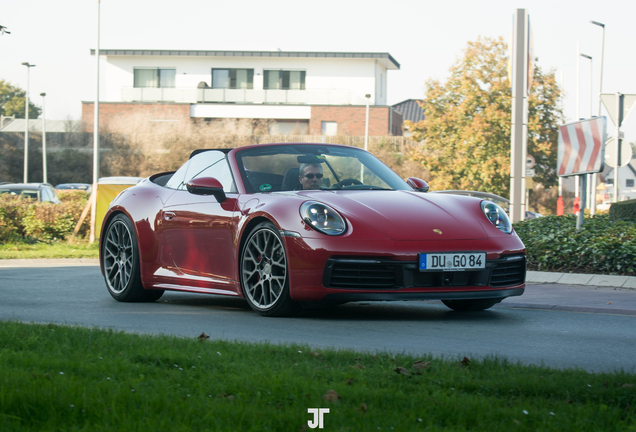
(556, 325)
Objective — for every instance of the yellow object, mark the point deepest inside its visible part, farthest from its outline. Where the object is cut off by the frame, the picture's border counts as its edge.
(601, 186)
(529, 183)
(105, 194)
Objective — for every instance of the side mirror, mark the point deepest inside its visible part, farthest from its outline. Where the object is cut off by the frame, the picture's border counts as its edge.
(417, 184)
(206, 186)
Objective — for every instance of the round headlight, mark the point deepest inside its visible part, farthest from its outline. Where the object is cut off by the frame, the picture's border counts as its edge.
(497, 216)
(322, 218)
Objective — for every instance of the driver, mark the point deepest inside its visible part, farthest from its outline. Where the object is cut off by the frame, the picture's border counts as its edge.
(310, 176)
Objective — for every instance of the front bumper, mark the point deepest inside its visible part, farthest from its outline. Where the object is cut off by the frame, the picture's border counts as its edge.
(337, 270)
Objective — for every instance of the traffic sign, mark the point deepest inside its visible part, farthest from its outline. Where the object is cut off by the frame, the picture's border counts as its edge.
(530, 161)
(609, 100)
(610, 153)
(530, 172)
(581, 146)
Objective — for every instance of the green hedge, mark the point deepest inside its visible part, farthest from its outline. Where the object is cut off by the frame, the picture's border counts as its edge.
(623, 210)
(601, 247)
(25, 219)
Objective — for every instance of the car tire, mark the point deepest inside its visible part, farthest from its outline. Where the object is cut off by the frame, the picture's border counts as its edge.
(120, 261)
(264, 272)
(471, 305)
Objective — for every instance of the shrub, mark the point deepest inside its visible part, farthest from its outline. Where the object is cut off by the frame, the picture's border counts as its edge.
(623, 210)
(25, 219)
(600, 247)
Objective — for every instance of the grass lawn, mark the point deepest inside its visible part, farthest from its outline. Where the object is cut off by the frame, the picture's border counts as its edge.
(62, 378)
(55, 249)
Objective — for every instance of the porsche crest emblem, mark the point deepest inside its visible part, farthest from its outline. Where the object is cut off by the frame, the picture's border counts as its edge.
(438, 231)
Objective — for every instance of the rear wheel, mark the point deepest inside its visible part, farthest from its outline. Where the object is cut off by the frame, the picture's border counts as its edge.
(471, 305)
(120, 260)
(264, 275)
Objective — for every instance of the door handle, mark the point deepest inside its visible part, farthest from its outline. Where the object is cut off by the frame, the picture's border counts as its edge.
(169, 215)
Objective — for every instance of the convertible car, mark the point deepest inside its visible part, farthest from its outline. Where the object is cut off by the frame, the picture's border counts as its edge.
(238, 222)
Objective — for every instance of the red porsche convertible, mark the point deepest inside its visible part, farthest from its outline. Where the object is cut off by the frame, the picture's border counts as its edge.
(286, 225)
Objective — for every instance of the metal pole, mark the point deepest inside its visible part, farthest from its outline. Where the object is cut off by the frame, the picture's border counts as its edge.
(26, 132)
(95, 137)
(591, 90)
(578, 81)
(26, 127)
(600, 86)
(577, 183)
(519, 117)
(583, 186)
(366, 125)
(44, 176)
(619, 121)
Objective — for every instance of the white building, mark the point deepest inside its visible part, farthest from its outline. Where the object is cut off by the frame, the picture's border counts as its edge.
(277, 85)
(626, 182)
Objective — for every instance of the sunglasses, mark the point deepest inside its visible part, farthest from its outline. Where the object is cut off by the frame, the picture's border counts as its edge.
(311, 176)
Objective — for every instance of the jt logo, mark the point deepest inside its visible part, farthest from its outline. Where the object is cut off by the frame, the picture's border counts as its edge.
(318, 417)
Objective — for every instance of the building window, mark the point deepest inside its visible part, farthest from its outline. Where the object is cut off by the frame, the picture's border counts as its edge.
(154, 77)
(233, 78)
(329, 128)
(289, 127)
(629, 183)
(283, 80)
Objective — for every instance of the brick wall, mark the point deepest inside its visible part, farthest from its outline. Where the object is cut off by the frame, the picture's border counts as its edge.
(351, 120)
(110, 110)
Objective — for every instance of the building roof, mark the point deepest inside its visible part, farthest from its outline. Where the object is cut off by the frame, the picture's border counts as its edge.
(410, 110)
(18, 125)
(387, 60)
(608, 172)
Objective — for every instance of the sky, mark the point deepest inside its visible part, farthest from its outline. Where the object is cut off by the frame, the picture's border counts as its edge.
(425, 37)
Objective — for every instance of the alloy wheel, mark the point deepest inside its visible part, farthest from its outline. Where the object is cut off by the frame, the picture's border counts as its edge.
(118, 257)
(264, 268)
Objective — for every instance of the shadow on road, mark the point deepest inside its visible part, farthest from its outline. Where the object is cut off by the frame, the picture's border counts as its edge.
(355, 311)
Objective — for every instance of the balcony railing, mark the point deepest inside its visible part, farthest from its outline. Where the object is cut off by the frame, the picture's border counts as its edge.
(193, 95)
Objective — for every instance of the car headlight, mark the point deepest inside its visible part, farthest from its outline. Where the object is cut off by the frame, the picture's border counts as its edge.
(322, 218)
(497, 216)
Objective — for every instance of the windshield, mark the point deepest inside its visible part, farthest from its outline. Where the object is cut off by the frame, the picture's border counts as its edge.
(24, 193)
(278, 168)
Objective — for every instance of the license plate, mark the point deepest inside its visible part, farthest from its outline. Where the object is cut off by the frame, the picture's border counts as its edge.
(452, 261)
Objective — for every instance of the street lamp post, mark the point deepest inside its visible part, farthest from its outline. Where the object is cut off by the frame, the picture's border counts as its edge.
(600, 86)
(366, 136)
(366, 124)
(95, 137)
(44, 177)
(591, 200)
(26, 127)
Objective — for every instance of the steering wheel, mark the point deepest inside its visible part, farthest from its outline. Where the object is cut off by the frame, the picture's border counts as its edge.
(348, 182)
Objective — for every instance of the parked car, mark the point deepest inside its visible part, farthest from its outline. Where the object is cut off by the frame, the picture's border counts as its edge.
(42, 192)
(75, 186)
(500, 201)
(238, 222)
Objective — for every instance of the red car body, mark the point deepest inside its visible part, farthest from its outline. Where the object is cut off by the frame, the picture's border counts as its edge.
(193, 242)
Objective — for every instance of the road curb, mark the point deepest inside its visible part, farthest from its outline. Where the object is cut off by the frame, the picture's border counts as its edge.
(628, 282)
(62, 262)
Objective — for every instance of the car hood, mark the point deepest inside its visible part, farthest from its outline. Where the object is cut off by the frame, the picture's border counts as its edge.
(406, 215)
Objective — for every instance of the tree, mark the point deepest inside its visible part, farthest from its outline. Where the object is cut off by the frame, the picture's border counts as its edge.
(12, 101)
(466, 133)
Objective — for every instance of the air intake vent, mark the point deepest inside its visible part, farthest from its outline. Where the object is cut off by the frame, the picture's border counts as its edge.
(360, 274)
(509, 272)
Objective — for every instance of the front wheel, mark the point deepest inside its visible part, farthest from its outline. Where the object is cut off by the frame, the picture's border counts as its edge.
(120, 261)
(471, 305)
(264, 275)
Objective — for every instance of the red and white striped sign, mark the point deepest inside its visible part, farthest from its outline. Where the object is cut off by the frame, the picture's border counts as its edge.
(581, 147)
